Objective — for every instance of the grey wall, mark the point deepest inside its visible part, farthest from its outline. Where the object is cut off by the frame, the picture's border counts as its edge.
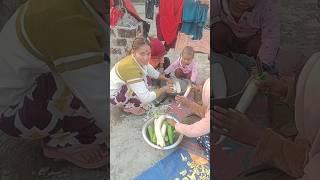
(7, 8)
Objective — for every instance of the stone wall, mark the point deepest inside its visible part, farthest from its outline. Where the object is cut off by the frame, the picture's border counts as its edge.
(138, 1)
(121, 39)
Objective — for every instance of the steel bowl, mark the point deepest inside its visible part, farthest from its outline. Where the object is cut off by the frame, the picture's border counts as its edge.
(177, 139)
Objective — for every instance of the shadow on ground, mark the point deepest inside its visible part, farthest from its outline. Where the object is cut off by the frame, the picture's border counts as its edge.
(24, 160)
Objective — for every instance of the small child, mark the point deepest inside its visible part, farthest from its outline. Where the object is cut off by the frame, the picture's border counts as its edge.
(250, 27)
(184, 67)
(158, 51)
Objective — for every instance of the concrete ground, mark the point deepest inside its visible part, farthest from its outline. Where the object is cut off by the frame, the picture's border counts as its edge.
(300, 25)
(130, 154)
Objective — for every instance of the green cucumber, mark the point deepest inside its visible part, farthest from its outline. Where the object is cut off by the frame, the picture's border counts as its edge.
(170, 134)
(151, 134)
(154, 139)
(150, 129)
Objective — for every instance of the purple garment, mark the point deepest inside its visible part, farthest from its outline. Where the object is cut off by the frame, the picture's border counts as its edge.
(128, 100)
(264, 18)
(186, 69)
(36, 117)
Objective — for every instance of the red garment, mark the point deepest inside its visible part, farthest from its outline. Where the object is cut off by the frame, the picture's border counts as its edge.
(159, 34)
(129, 7)
(170, 18)
(157, 48)
(115, 15)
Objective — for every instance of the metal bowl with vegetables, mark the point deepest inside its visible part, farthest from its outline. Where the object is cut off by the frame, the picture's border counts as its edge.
(159, 134)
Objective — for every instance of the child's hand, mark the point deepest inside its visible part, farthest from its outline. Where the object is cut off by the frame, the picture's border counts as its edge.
(182, 100)
(197, 87)
(273, 86)
(169, 89)
(169, 81)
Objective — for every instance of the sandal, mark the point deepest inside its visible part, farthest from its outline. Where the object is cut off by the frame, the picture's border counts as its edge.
(84, 156)
(135, 110)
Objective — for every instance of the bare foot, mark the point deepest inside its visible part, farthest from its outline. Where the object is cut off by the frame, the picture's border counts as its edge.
(135, 110)
(85, 157)
(90, 156)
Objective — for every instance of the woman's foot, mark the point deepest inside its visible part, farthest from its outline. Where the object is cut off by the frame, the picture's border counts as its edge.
(90, 156)
(84, 156)
(135, 110)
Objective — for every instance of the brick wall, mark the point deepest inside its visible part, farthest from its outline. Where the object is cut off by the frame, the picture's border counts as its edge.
(121, 40)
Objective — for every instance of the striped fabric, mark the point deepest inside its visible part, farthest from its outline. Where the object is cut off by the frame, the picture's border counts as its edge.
(129, 70)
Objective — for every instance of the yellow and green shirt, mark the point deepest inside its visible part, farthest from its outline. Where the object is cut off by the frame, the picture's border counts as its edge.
(129, 72)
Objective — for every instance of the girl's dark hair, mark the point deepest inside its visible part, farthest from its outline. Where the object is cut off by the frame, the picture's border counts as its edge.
(138, 42)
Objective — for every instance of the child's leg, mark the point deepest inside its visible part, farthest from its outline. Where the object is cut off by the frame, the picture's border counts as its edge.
(253, 45)
(223, 38)
(188, 76)
(179, 74)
